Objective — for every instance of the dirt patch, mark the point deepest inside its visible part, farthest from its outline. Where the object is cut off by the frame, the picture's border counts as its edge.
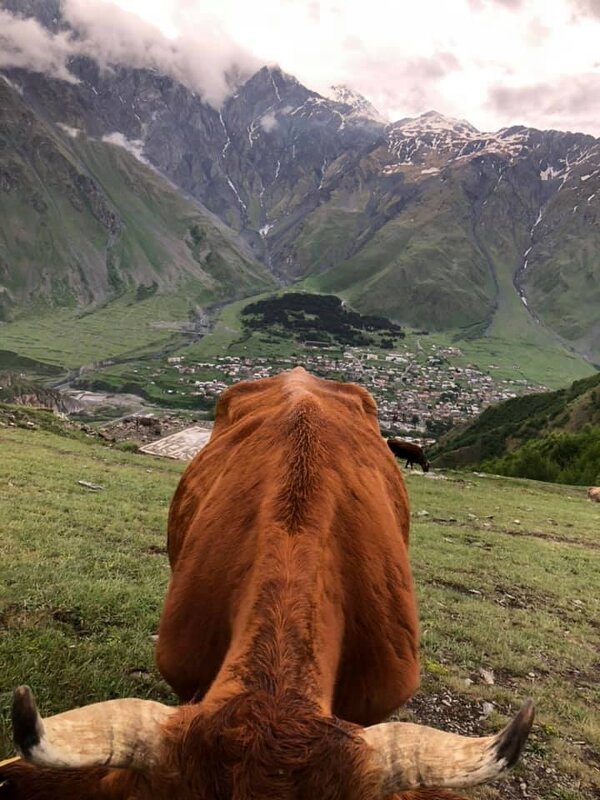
(145, 429)
(456, 587)
(71, 618)
(157, 550)
(584, 679)
(517, 596)
(15, 616)
(487, 527)
(550, 537)
(446, 710)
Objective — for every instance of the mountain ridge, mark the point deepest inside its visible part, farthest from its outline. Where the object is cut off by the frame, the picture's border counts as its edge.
(425, 219)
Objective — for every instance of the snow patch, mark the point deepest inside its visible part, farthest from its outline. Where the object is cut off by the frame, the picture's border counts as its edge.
(433, 122)
(237, 194)
(227, 139)
(72, 132)
(12, 84)
(359, 105)
(275, 86)
(549, 173)
(133, 146)
(430, 171)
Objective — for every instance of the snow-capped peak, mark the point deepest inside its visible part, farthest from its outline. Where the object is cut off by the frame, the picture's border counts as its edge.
(434, 122)
(361, 107)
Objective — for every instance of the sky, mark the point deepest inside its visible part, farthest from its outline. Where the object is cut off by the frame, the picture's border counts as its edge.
(493, 62)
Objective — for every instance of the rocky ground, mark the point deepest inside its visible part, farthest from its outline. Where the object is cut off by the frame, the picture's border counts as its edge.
(145, 428)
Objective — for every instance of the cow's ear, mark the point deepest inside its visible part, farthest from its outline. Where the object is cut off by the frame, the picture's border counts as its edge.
(117, 733)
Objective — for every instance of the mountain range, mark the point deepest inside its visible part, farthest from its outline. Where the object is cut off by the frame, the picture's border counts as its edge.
(127, 180)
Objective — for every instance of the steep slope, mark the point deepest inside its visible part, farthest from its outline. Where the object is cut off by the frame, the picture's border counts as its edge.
(83, 221)
(561, 277)
(465, 213)
(505, 428)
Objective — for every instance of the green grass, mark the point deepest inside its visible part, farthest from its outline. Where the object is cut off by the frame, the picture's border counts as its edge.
(69, 338)
(504, 569)
(81, 584)
(228, 337)
(548, 364)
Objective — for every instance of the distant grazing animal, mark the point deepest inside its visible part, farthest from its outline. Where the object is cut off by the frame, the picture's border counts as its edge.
(411, 452)
(289, 630)
(594, 494)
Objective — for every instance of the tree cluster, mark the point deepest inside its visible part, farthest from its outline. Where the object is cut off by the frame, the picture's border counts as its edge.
(313, 317)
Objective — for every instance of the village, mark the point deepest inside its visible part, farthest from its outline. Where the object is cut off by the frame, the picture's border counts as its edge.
(420, 394)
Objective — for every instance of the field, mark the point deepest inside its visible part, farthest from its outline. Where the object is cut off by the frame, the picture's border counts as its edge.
(505, 571)
(127, 328)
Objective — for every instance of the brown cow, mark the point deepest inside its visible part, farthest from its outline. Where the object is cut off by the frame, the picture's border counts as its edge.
(411, 452)
(594, 494)
(289, 629)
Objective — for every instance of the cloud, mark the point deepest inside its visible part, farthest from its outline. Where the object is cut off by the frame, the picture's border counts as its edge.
(205, 62)
(537, 32)
(25, 43)
(268, 122)
(511, 5)
(391, 81)
(133, 146)
(589, 8)
(571, 102)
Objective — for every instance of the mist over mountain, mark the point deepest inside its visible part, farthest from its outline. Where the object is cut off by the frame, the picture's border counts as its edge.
(426, 220)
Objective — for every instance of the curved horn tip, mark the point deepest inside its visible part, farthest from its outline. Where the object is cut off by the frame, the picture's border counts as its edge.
(26, 721)
(511, 741)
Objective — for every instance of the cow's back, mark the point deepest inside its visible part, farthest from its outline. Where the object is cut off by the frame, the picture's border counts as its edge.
(294, 456)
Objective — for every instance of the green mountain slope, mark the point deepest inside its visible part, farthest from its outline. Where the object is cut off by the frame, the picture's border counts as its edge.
(548, 436)
(423, 266)
(85, 223)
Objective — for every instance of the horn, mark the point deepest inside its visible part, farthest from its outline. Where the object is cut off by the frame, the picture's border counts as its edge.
(414, 756)
(117, 733)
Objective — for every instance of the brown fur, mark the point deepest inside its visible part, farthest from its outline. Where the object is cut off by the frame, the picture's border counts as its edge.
(290, 617)
(594, 494)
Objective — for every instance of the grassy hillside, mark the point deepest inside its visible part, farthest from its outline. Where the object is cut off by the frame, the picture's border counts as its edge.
(446, 256)
(562, 280)
(84, 225)
(562, 425)
(422, 267)
(503, 569)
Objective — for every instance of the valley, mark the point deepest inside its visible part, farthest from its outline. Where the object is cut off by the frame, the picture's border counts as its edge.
(423, 381)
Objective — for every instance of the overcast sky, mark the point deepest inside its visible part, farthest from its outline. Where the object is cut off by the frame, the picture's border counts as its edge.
(493, 62)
